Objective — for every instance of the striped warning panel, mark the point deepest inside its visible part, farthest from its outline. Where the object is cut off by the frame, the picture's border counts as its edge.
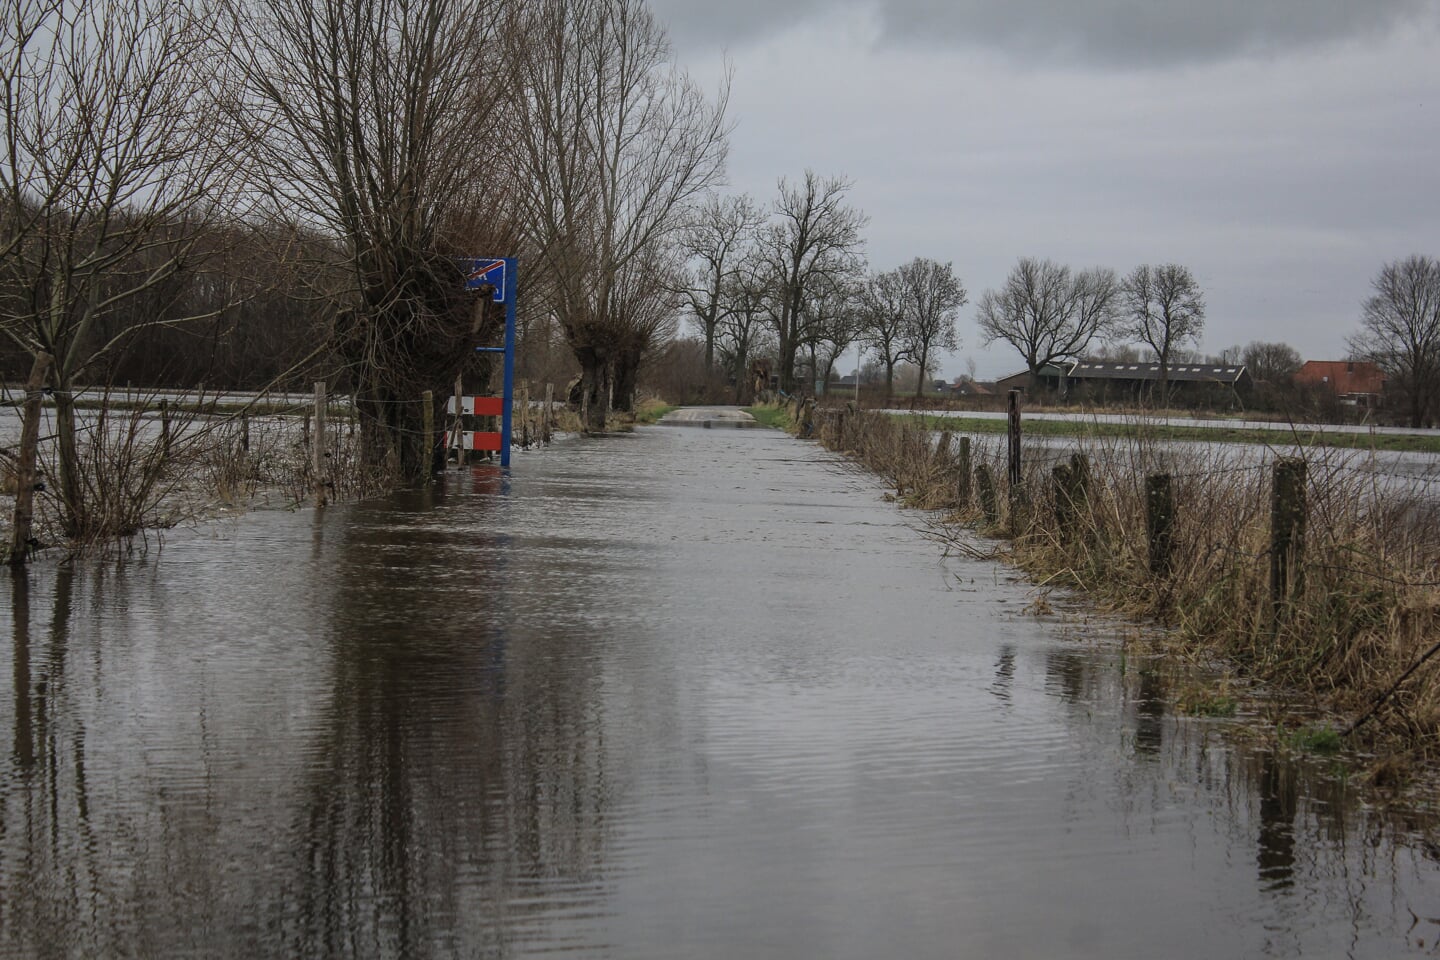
(478, 406)
(475, 440)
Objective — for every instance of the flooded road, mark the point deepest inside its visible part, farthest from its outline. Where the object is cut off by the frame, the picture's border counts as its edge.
(686, 693)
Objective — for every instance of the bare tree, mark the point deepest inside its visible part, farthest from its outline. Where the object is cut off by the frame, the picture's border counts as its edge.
(887, 323)
(1400, 331)
(114, 166)
(716, 240)
(612, 144)
(1273, 363)
(1229, 356)
(933, 298)
(834, 322)
(1047, 313)
(1164, 309)
(814, 236)
(748, 297)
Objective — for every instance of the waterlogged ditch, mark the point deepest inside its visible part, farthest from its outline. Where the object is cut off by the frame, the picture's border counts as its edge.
(687, 693)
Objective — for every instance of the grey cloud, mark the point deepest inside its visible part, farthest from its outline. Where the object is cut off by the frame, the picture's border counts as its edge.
(1116, 33)
(707, 24)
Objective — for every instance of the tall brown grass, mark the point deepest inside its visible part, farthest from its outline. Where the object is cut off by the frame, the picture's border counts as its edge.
(1369, 607)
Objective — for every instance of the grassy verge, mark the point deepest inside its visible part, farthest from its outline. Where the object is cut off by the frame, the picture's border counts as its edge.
(1352, 638)
(651, 410)
(1302, 435)
(773, 415)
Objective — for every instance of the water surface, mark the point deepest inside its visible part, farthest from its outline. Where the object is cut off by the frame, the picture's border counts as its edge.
(686, 693)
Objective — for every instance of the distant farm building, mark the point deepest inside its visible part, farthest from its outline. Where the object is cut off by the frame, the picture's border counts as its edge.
(1355, 383)
(1104, 380)
(971, 388)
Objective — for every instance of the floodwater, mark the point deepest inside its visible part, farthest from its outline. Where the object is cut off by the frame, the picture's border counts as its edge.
(686, 693)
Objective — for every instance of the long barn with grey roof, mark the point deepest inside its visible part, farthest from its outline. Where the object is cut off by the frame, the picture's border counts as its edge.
(1122, 380)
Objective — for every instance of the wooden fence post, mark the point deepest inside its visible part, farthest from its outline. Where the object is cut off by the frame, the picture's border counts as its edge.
(427, 430)
(989, 506)
(1159, 519)
(1060, 479)
(1014, 439)
(1077, 491)
(549, 412)
(964, 470)
(1019, 503)
(942, 461)
(317, 447)
(245, 432)
(457, 425)
(532, 431)
(22, 519)
(165, 428)
(1287, 533)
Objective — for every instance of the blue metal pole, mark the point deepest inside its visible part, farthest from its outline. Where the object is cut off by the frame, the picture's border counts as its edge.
(512, 282)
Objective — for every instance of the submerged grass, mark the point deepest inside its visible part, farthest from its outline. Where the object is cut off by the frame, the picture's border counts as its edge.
(1354, 633)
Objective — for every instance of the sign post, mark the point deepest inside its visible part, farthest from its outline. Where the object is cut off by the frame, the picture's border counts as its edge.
(509, 296)
(499, 276)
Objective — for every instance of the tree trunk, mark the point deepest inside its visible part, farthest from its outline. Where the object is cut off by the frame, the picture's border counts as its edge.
(920, 384)
(25, 466)
(627, 369)
(594, 388)
(889, 379)
(377, 439)
(67, 450)
(1164, 401)
(786, 359)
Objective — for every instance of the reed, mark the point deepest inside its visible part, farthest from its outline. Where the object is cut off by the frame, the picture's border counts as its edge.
(1355, 633)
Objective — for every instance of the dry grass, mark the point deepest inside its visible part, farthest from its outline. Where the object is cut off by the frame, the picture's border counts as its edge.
(1369, 608)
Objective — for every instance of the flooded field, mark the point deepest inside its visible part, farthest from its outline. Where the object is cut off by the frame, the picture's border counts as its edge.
(685, 693)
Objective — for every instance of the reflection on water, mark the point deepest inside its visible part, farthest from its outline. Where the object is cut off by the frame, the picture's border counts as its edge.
(1278, 799)
(1150, 714)
(686, 693)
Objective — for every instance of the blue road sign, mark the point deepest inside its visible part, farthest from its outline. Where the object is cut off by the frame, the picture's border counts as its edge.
(486, 271)
(500, 274)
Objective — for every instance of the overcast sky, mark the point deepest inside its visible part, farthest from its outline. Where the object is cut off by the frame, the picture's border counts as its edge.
(1283, 150)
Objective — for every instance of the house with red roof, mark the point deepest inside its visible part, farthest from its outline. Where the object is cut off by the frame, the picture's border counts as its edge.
(1356, 383)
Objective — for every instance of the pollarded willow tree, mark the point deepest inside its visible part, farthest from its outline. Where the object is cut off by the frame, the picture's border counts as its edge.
(646, 294)
(117, 176)
(612, 145)
(1164, 309)
(372, 123)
